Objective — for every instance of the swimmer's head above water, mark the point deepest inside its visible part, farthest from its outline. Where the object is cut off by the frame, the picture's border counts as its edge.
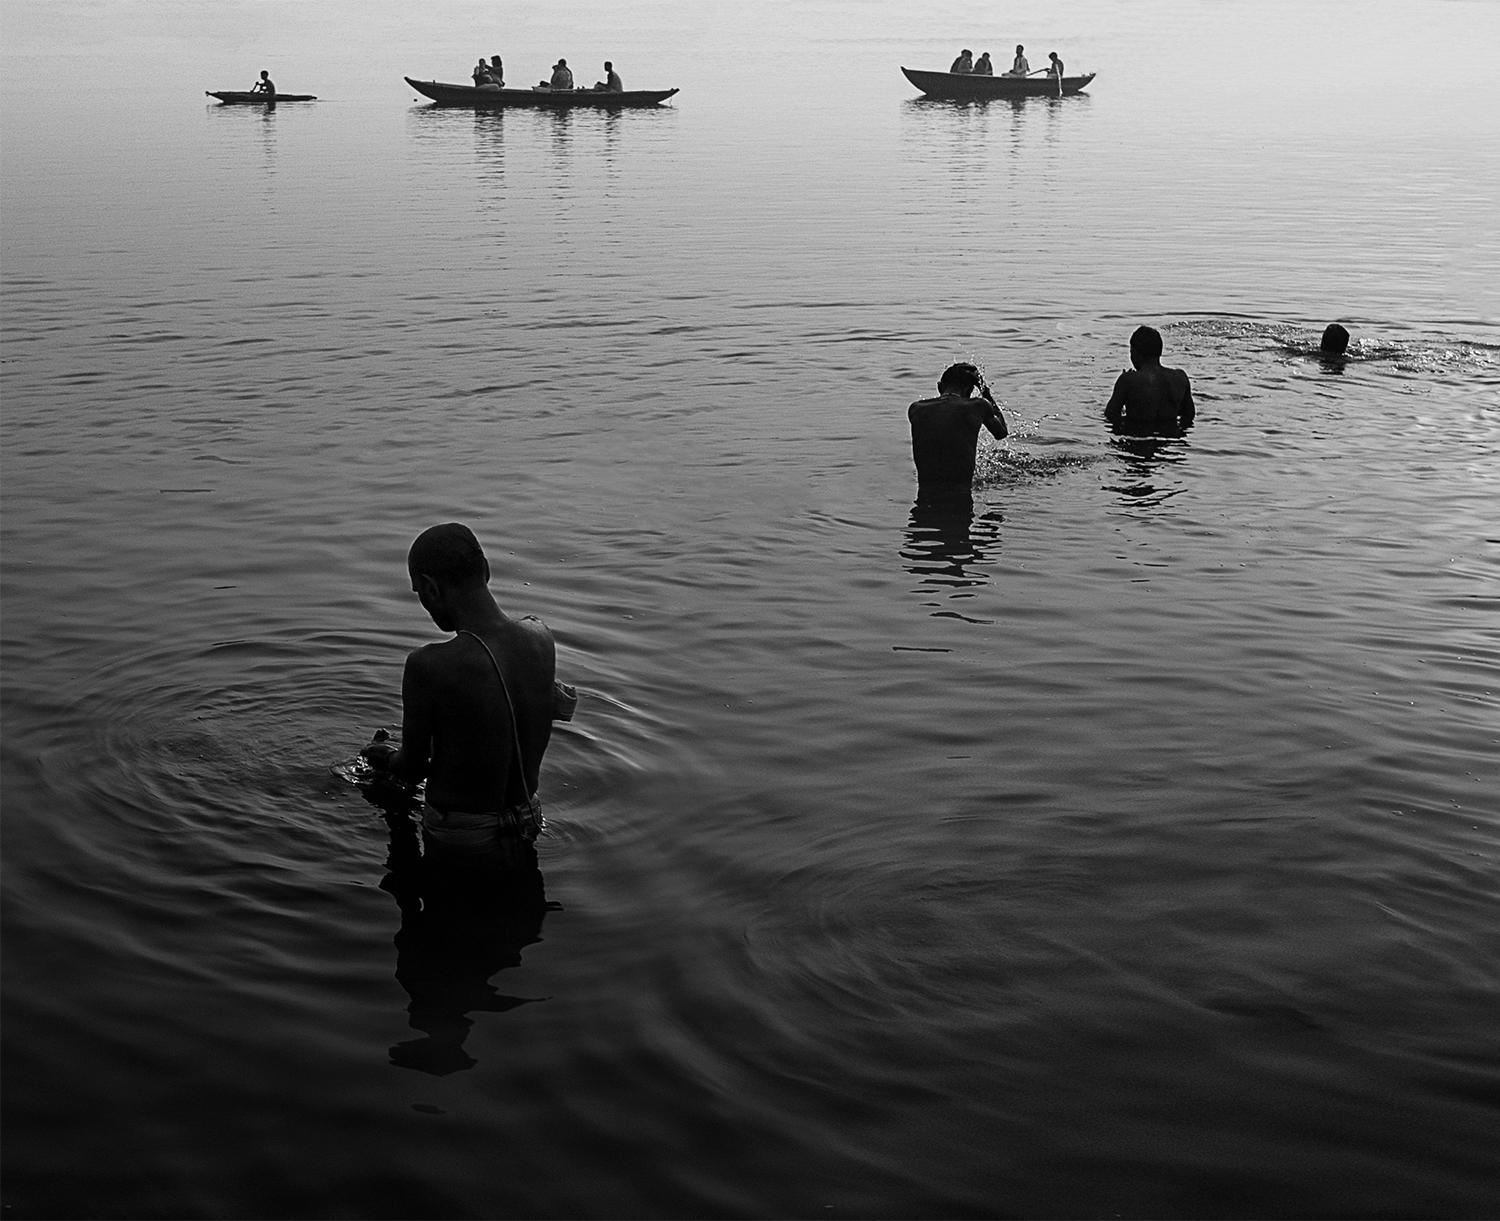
(1335, 340)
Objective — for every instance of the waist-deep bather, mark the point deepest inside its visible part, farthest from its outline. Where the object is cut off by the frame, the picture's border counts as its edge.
(481, 835)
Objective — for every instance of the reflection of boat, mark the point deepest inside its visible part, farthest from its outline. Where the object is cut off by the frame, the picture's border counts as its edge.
(484, 99)
(968, 86)
(243, 97)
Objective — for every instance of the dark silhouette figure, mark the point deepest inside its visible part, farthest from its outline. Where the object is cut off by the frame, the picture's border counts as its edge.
(1335, 341)
(945, 433)
(1150, 399)
(1333, 348)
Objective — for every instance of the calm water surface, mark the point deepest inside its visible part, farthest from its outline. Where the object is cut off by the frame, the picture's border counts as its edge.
(1124, 847)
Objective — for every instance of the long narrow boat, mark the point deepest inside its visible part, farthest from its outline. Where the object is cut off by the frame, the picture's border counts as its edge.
(243, 97)
(487, 99)
(970, 86)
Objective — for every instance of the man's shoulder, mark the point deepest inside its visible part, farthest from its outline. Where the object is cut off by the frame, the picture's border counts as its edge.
(950, 401)
(533, 629)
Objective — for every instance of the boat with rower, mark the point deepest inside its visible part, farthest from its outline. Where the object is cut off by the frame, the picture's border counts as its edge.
(974, 86)
(243, 97)
(489, 99)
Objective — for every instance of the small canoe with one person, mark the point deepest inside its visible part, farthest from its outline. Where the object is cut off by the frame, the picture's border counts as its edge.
(243, 97)
(966, 87)
(487, 99)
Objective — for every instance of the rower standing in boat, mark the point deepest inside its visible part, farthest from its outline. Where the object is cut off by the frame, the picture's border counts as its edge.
(562, 75)
(964, 62)
(983, 67)
(497, 71)
(611, 82)
(1020, 67)
(264, 85)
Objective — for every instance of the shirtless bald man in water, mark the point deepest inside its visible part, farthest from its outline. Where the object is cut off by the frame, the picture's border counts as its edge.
(945, 432)
(477, 710)
(1150, 398)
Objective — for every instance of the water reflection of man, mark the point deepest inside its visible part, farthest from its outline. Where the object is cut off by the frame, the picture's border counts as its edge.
(945, 432)
(946, 549)
(459, 927)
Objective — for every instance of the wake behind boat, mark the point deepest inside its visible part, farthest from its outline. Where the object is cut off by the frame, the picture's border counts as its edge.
(487, 99)
(243, 97)
(966, 86)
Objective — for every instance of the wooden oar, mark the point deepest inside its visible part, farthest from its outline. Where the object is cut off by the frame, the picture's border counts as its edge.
(1039, 71)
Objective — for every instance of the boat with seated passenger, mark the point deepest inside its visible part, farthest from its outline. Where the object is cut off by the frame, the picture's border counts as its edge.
(489, 99)
(972, 86)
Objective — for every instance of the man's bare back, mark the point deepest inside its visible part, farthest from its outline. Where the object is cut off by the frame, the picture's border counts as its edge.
(452, 698)
(945, 430)
(460, 725)
(1150, 398)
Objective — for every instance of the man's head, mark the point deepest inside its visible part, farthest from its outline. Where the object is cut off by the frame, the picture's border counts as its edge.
(264, 74)
(444, 561)
(1335, 340)
(959, 379)
(1019, 48)
(608, 67)
(1145, 346)
(1052, 55)
(562, 63)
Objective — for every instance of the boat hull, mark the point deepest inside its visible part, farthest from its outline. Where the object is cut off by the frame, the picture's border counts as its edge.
(968, 87)
(493, 99)
(236, 97)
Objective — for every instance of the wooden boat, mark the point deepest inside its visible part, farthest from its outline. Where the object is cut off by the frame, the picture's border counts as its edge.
(487, 99)
(969, 86)
(243, 97)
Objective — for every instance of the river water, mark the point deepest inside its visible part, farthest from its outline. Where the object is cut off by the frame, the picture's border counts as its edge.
(1125, 847)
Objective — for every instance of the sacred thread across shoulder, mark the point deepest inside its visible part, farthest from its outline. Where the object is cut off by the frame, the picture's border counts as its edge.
(482, 830)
